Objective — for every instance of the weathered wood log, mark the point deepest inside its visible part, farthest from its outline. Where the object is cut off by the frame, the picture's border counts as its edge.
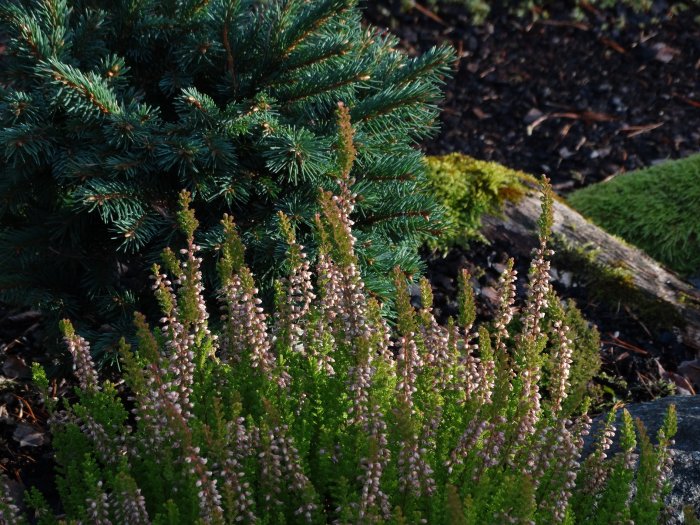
(641, 279)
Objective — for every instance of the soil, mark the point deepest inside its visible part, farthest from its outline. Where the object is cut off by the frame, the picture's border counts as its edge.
(26, 456)
(579, 100)
(576, 100)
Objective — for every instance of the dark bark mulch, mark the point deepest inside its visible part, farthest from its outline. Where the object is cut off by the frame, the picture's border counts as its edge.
(26, 456)
(576, 100)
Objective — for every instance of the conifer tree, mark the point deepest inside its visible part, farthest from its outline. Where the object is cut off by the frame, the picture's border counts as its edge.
(109, 108)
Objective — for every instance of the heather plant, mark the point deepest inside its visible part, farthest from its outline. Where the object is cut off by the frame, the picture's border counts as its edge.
(109, 108)
(324, 413)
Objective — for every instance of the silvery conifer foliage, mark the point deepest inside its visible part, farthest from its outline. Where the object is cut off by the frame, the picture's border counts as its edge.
(109, 108)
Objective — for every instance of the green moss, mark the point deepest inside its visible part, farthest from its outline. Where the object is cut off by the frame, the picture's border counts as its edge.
(654, 209)
(689, 300)
(468, 189)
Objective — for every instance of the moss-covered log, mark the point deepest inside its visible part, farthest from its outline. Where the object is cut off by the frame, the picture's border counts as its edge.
(656, 294)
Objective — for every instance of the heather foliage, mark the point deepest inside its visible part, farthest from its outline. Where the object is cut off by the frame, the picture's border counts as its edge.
(323, 413)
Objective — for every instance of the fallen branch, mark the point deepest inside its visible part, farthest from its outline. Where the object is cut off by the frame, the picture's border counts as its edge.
(633, 131)
(427, 12)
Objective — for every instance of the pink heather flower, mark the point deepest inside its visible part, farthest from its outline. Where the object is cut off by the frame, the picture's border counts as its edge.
(528, 364)
(246, 328)
(110, 449)
(456, 377)
(271, 470)
(439, 357)
(535, 457)
(582, 426)
(159, 410)
(353, 303)
(83, 366)
(529, 405)
(328, 279)
(160, 414)
(340, 284)
(428, 437)
(486, 380)
(163, 288)
(407, 366)
(537, 293)
(664, 467)
(179, 339)
(506, 308)
(179, 358)
(236, 489)
(469, 377)
(342, 299)
(370, 347)
(281, 469)
(491, 452)
(291, 460)
(561, 458)
(210, 509)
(360, 382)
(383, 333)
(494, 447)
(415, 472)
(98, 508)
(325, 309)
(345, 200)
(506, 311)
(298, 295)
(296, 478)
(9, 512)
(372, 498)
(130, 507)
(344, 307)
(562, 365)
(147, 415)
(594, 468)
(470, 437)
